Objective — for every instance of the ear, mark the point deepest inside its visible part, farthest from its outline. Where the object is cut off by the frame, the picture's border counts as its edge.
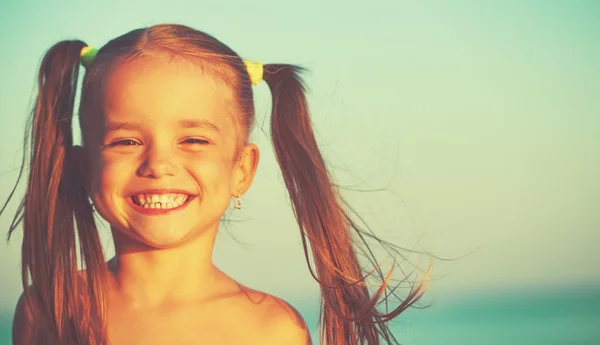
(245, 169)
(82, 164)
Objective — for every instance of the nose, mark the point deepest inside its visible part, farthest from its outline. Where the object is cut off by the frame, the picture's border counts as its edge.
(159, 162)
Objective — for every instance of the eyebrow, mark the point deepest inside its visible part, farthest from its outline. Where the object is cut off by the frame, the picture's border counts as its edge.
(199, 124)
(188, 124)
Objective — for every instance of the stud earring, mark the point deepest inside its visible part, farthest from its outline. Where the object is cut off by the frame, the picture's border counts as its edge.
(237, 203)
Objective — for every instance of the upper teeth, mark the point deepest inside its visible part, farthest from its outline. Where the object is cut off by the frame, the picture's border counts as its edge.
(160, 200)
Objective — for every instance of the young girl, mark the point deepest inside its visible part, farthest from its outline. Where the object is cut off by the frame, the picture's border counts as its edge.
(165, 115)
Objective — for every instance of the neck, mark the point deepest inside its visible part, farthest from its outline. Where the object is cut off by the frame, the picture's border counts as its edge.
(150, 277)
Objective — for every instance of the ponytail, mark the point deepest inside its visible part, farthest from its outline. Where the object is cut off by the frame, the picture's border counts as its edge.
(55, 199)
(348, 315)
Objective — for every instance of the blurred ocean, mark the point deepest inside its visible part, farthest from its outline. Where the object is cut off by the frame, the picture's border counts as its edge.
(569, 316)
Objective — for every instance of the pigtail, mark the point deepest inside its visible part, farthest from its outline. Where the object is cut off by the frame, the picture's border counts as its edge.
(71, 306)
(348, 315)
(55, 196)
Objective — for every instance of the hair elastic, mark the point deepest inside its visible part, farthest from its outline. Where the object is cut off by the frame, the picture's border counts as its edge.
(88, 54)
(254, 69)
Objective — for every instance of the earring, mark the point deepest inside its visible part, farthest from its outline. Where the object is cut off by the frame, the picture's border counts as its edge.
(237, 203)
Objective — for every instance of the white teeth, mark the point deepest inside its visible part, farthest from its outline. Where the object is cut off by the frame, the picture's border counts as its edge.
(161, 201)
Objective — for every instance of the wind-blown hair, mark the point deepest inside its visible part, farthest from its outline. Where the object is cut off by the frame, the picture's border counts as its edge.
(56, 199)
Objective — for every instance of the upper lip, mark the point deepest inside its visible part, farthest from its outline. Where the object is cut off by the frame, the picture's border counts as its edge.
(163, 191)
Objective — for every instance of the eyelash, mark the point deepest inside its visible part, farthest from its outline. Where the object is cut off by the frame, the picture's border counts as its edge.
(197, 141)
(121, 142)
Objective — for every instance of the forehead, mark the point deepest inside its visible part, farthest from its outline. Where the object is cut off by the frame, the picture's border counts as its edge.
(159, 91)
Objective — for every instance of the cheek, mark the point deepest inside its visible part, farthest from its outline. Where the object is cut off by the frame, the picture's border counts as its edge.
(111, 174)
(214, 173)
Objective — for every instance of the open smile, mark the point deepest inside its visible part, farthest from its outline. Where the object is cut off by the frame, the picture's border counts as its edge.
(159, 203)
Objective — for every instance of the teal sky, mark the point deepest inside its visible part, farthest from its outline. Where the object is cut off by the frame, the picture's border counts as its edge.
(480, 120)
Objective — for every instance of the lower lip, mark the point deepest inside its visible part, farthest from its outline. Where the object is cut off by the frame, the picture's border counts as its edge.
(158, 211)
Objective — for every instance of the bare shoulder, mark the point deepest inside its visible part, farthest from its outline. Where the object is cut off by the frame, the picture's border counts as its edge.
(21, 323)
(29, 327)
(277, 321)
(25, 329)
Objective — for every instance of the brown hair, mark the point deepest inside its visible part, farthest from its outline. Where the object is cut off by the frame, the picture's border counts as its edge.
(56, 196)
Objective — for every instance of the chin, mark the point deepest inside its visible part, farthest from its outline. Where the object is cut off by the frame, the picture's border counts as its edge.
(153, 238)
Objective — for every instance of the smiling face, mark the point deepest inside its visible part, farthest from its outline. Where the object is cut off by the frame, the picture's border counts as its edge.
(165, 167)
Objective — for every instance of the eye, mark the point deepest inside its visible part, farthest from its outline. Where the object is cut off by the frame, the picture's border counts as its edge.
(196, 141)
(127, 142)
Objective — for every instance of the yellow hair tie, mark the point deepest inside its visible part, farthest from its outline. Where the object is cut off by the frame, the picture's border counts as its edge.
(88, 54)
(255, 70)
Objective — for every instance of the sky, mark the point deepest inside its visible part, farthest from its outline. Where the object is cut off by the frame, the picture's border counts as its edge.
(465, 129)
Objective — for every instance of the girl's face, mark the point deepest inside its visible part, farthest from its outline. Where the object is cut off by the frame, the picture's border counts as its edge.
(164, 170)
